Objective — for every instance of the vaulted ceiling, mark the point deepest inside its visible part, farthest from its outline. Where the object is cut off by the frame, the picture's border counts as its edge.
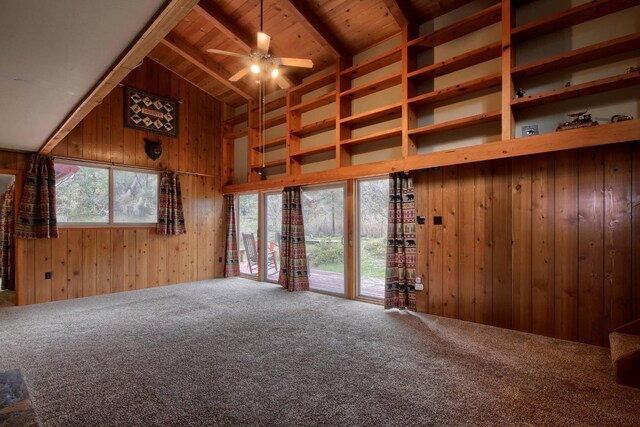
(320, 30)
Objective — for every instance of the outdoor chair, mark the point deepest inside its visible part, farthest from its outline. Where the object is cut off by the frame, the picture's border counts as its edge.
(251, 250)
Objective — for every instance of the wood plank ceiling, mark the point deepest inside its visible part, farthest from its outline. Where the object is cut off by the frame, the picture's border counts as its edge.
(321, 30)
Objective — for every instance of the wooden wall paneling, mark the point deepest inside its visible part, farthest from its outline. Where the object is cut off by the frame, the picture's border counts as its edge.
(75, 269)
(590, 245)
(103, 273)
(521, 247)
(163, 259)
(483, 244)
(27, 294)
(118, 260)
(129, 135)
(192, 247)
(501, 248)
(617, 238)
(420, 184)
(59, 273)
(61, 148)
(89, 138)
(116, 152)
(164, 89)
(143, 266)
(89, 263)
(183, 133)
(42, 265)
(203, 153)
(74, 141)
(217, 220)
(508, 55)
(141, 82)
(542, 241)
(103, 145)
(153, 260)
(203, 268)
(450, 241)
(466, 232)
(435, 241)
(172, 150)
(194, 130)
(130, 257)
(566, 244)
(635, 230)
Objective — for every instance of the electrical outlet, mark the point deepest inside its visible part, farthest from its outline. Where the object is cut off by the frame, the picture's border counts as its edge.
(47, 275)
(437, 220)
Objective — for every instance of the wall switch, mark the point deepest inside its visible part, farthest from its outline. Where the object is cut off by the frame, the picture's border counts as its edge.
(418, 279)
(47, 275)
(419, 287)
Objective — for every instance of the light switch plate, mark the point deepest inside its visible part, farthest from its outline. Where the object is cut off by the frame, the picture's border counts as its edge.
(419, 287)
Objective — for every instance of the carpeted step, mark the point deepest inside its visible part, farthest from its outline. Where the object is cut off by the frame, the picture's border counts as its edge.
(625, 356)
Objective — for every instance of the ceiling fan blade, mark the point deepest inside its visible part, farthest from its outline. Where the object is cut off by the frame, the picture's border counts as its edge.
(282, 82)
(296, 62)
(263, 42)
(224, 52)
(240, 74)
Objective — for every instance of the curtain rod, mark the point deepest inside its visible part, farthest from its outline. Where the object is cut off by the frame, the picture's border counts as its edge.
(101, 162)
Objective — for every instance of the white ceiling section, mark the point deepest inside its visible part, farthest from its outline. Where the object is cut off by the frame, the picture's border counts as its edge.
(52, 53)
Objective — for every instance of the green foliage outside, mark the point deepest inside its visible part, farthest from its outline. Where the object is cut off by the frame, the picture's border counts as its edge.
(83, 196)
(135, 197)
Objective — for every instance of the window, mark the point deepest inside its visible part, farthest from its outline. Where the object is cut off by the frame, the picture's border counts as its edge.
(102, 195)
(273, 228)
(248, 233)
(373, 209)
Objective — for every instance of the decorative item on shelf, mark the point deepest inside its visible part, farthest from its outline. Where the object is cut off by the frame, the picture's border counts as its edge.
(567, 84)
(153, 148)
(520, 93)
(261, 173)
(149, 112)
(620, 118)
(580, 120)
(632, 69)
(530, 130)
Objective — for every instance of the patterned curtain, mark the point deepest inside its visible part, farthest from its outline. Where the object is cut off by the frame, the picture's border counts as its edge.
(170, 216)
(231, 264)
(400, 274)
(37, 213)
(7, 240)
(293, 251)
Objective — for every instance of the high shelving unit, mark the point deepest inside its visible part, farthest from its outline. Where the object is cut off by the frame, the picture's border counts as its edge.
(417, 84)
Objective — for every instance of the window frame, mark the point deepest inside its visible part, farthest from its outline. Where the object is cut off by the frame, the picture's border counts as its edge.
(111, 223)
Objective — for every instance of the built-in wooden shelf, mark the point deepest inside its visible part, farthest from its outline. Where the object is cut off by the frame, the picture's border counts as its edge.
(458, 62)
(271, 164)
(313, 150)
(492, 116)
(456, 91)
(578, 56)
(236, 120)
(567, 18)
(237, 134)
(475, 22)
(275, 142)
(376, 136)
(589, 88)
(374, 86)
(374, 116)
(314, 83)
(312, 104)
(275, 121)
(273, 105)
(372, 64)
(314, 128)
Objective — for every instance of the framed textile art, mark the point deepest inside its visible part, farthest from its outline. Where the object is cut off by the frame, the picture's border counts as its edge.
(151, 113)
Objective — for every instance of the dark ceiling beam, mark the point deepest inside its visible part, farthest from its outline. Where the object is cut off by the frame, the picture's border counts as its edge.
(318, 30)
(200, 60)
(402, 13)
(229, 28)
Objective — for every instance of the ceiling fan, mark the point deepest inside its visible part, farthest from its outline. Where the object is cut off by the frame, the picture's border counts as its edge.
(260, 60)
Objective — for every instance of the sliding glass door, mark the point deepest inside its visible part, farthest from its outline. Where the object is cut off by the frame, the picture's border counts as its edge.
(248, 234)
(324, 219)
(273, 228)
(372, 214)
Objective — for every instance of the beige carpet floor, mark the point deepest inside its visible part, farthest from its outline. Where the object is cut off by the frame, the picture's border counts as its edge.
(237, 352)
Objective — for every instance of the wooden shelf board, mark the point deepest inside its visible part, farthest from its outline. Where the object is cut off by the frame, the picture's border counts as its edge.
(236, 120)
(456, 124)
(458, 90)
(589, 88)
(483, 54)
(372, 64)
(314, 128)
(273, 105)
(316, 83)
(567, 18)
(374, 86)
(377, 136)
(370, 117)
(237, 134)
(484, 18)
(314, 150)
(271, 164)
(272, 143)
(578, 56)
(312, 104)
(275, 121)
(611, 133)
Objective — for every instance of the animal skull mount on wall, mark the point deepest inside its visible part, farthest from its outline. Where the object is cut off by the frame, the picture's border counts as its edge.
(153, 148)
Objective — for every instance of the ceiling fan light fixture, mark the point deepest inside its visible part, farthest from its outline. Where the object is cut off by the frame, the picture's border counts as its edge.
(275, 73)
(255, 68)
